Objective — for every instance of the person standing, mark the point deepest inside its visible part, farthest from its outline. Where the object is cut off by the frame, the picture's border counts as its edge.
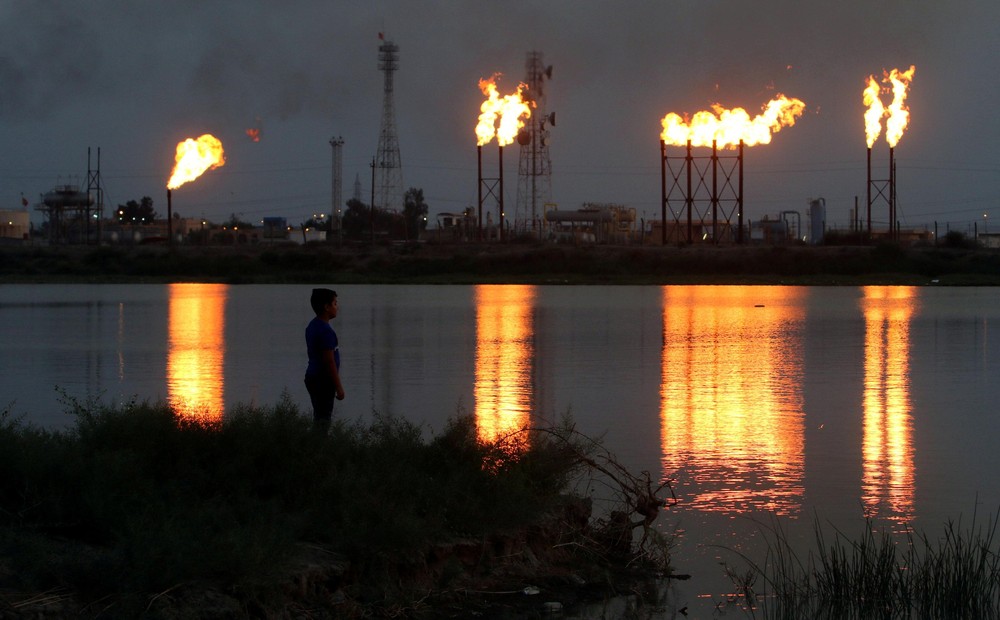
(323, 372)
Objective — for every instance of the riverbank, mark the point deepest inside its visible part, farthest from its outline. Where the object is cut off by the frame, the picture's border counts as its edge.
(425, 263)
(137, 512)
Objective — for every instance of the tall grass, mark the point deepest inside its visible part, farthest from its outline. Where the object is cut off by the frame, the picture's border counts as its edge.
(133, 498)
(877, 574)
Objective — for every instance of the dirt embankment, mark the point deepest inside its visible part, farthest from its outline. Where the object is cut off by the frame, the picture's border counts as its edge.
(516, 263)
(568, 561)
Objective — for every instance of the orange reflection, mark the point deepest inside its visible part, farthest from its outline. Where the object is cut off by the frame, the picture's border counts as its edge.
(196, 349)
(732, 428)
(505, 351)
(887, 446)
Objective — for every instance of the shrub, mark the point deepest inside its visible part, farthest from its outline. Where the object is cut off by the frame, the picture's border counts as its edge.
(153, 499)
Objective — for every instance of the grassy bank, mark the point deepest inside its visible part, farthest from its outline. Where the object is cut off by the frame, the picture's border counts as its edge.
(527, 263)
(135, 512)
(875, 574)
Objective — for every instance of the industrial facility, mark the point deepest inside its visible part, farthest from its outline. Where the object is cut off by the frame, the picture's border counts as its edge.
(15, 226)
(702, 165)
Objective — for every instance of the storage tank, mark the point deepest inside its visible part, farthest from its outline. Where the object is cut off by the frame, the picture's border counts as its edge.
(14, 224)
(817, 220)
(67, 197)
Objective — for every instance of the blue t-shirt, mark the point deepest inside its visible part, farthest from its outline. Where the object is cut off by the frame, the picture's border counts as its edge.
(320, 337)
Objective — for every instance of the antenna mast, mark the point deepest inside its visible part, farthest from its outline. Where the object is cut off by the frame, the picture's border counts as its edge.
(336, 195)
(534, 180)
(388, 168)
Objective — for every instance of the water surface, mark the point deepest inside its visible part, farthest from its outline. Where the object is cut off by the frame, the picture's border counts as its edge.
(756, 401)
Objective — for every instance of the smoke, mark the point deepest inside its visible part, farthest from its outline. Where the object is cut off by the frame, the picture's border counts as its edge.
(287, 60)
(121, 74)
(206, 58)
(45, 58)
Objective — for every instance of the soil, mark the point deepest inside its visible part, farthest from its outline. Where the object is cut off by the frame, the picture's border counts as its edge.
(554, 567)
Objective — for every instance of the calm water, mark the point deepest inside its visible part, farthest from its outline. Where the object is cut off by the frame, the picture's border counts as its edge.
(790, 401)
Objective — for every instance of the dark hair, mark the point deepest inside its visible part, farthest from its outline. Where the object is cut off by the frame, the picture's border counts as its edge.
(320, 297)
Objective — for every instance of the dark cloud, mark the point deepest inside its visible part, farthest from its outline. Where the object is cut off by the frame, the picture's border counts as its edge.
(47, 60)
(136, 77)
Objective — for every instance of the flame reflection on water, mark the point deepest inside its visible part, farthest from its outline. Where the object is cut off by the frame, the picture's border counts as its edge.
(887, 443)
(196, 350)
(732, 429)
(505, 350)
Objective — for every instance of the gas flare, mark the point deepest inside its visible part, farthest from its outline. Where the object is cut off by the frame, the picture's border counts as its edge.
(875, 111)
(728, 127)
(897, 114)
(500, 116)
(194, 157)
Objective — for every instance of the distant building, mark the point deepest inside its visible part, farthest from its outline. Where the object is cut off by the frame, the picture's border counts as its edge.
(592, 223)
(275, 228)
(154, 232)
(307, 235)
(15, 225)
(453, 227)
(701, 232)
(989, 240)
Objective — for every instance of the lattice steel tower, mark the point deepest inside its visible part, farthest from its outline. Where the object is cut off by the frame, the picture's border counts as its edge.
(389, 169)
(534, 178)
(337, 187)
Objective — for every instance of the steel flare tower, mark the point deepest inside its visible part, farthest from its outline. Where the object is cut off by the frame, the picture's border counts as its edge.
(388, 168)
(337, 187)
(95, 188)
(534, 174)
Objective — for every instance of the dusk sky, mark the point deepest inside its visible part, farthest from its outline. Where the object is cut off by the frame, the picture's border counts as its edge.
(135, 78)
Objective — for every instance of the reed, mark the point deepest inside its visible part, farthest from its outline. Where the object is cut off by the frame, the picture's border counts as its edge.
(876, 574)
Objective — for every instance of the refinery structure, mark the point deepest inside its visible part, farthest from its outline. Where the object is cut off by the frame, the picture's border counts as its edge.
(701, 194)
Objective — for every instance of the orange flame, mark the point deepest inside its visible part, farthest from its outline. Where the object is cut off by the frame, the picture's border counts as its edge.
(728, 127)
(500, 116)
(897, 114)
(254, 134)
(875, 111)
(194, 157)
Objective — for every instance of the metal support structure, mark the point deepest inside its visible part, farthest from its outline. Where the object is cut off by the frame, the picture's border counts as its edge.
(502, 214)
(689, 195)
(715, 191)
(534, 181)
(390, 168)
(170, 217)
(479, 187)
(69, 199)
(337, 187)
(739, 199)
(58, 205)
(493, 188)
(893, 224)
(95, 190)
(868, 186)
(663, 193)
(883, 190)
(371, 211)
(707, 186)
